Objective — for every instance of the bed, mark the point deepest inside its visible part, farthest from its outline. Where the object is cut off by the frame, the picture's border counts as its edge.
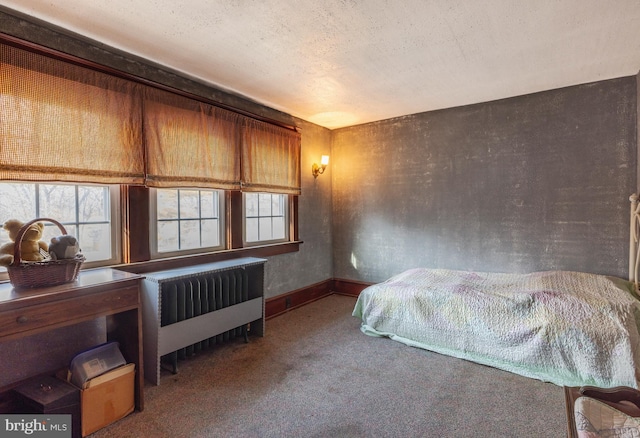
(567, 328)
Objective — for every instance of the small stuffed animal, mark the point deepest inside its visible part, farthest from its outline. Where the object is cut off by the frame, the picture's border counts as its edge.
(64, 247)
(30, 249)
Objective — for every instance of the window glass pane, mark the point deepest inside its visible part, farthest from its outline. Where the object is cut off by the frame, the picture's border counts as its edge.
(276, 205)
(167, 202)
(210, 232)
(17, 201)
(251, 230)
(264, 204)
(189, 234)
(251, 204)
(189, 205)
(93, 204)
(209, 204)
(95, 241)
(278, 228)
(264, 229)
(194, 218)
(58, 202)
(168, 236)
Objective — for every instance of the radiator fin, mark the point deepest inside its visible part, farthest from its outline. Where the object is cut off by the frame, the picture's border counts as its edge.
(190, 297)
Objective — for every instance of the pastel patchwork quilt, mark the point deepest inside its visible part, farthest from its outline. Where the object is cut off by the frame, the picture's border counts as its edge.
(568, 328)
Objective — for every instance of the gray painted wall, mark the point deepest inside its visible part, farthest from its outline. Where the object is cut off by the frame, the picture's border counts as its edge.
(313, 263)
(537, 182)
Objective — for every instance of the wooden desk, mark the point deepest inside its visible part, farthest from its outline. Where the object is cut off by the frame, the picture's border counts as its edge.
(96, 293)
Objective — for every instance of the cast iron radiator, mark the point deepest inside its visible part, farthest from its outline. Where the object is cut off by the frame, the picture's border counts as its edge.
(193, 296)
(191, 309)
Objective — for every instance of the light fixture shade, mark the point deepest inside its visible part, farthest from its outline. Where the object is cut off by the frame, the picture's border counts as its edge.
(319, 170)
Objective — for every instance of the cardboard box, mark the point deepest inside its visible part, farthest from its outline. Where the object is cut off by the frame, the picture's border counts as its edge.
(107, 398)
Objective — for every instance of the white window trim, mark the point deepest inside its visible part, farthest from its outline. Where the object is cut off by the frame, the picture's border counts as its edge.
(153, 228)
(116, 230)
(114, 208)
(287, 224)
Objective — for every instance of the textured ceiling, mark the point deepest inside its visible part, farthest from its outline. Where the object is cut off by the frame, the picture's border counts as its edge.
(344, 62)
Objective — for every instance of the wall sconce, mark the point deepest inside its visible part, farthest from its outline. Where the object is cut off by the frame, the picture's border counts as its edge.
(319, 170)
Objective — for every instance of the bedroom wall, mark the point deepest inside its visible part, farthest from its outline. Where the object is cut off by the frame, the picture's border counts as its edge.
(536, 182)
(283, 273)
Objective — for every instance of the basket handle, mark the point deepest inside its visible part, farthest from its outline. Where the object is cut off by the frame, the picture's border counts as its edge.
(17, 256)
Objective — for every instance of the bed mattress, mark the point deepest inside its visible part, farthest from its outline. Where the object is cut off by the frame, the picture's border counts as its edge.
(568, 328)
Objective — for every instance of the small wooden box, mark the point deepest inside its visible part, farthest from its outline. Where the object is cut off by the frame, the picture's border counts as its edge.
(49, 395)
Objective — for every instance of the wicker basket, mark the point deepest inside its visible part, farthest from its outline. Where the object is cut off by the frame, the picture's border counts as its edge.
(45, 273)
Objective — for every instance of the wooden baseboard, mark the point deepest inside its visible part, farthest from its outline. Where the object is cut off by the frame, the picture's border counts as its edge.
(283, 303)
(348, 287)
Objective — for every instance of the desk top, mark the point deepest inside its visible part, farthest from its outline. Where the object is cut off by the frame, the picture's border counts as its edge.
(87, 279)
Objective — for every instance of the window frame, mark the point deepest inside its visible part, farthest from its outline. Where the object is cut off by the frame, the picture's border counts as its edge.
(155, 254)
(285, 205)
(114, 220)
(135, 208)
(116, 228)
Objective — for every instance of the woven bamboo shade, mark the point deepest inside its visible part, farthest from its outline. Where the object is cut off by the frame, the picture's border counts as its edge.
(190, 143)
(270, 158)
(63, 122)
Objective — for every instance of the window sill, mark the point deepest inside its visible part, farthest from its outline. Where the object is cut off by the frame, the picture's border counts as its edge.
(179, 262)
(196, 259)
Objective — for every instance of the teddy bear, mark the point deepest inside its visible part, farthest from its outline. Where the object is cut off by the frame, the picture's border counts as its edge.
(63, 247)
(31, 247)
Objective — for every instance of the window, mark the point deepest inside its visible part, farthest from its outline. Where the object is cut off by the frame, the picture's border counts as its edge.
(265, 218)
(86, 211)
(186, 221)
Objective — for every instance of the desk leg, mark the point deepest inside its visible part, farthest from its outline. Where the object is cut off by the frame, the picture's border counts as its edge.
(126, 328)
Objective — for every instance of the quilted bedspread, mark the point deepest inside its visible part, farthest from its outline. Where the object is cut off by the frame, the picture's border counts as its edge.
(568, 328)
